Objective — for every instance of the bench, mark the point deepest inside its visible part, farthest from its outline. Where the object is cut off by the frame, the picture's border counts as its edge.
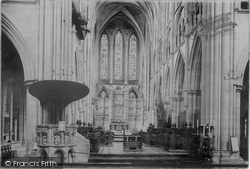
(7, 152)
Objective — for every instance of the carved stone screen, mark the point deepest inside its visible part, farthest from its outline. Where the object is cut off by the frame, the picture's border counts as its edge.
(118, 111)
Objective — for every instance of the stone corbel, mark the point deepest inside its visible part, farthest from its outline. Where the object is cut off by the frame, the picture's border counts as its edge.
(238, 88)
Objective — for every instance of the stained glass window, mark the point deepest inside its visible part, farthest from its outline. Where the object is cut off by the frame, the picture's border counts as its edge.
(104, 57)
(132, 57)
(118, 55)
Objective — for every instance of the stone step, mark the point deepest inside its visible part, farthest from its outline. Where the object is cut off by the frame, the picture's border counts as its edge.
(138, 158)
(137, 155)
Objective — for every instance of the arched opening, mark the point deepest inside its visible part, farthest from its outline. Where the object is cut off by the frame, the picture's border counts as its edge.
(44, 156)
(13, 93)
(58, 156)
(179, 116)
(194, 94)
(244, 105)
(103, 94)
(132, 94)
(70, 156)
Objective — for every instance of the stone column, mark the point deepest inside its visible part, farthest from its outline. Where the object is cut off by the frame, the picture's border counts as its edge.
(21, 121)
(10, 110)
(15, 130)
(176, 110)
(236, 118)
(192, 103)
(167, 110)
(190, 107)
(1, 114)
(30, 128)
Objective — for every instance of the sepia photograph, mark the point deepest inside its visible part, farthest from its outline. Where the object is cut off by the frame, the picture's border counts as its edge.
(124, 84)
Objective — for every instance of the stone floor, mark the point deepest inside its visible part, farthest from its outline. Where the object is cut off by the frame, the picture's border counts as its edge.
(132, 160)
(117, 148)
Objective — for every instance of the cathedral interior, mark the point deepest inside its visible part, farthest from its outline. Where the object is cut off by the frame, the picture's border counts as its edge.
(79, 75)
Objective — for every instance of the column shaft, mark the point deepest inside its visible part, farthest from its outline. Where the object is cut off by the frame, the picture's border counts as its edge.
(31, 108)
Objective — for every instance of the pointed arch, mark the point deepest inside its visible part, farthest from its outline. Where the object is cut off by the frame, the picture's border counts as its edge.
(131, 19)
(101, 89)
(103, 94)
(18, 41)
(160, 92)
(179, 74)
(195, 64)
(136, 91)
(167, 84)
(242, 64)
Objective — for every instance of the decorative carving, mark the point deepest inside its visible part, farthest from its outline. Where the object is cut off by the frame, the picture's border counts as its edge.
(61, 135)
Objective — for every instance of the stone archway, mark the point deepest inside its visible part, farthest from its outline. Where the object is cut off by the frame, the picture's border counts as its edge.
(13, 93)
(194, 89)
(179, 116)
(244, 115)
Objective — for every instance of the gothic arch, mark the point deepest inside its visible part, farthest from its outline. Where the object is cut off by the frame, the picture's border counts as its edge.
(137, 92)
(73, 155)
(60, 150)
(167, 85)
(9, 29)
(242, 64)
(102, 88)
(195, 64)
(130, 20)
(160, 90)
(147, 8)
(41, 151)
(179, 74)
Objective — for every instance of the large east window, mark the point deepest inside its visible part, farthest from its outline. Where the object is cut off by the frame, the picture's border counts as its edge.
(118, 57)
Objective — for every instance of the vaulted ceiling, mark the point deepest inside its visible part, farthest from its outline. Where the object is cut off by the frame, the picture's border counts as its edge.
(137, 14)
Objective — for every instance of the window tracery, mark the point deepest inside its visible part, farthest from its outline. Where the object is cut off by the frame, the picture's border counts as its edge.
(132, 57)
(104, 57)
(118, 55)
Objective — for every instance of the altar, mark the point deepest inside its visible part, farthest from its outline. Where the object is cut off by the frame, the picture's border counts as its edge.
(118, 126)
